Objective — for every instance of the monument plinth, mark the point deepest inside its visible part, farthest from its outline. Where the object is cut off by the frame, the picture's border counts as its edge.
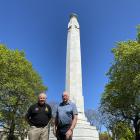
(83, 130)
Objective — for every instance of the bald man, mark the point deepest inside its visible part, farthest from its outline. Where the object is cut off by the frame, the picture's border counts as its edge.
(39, 116)
(66, 118)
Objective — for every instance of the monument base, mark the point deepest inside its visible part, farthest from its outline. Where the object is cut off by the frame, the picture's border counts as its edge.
(82, 131)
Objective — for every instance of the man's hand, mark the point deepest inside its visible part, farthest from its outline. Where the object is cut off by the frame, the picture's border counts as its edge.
(54, 131)
(69, 134)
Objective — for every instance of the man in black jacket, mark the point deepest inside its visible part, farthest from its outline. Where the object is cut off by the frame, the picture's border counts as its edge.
(39, 116)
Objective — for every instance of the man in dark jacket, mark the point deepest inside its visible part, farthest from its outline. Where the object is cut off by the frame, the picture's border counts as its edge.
(39, 116)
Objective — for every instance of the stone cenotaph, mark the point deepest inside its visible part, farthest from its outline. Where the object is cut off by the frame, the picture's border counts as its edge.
(83, 129)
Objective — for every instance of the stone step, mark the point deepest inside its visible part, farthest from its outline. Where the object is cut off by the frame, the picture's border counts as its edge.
(81, 132)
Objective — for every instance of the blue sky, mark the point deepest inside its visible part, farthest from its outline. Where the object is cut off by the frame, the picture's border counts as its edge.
(39, 27)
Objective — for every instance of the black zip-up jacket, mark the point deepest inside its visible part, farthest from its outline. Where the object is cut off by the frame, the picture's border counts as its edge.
(39, 115)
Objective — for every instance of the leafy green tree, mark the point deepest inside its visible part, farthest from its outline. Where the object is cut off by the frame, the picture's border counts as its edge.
(138, 34)
(19, 85)
(123, 131)
(121, 97)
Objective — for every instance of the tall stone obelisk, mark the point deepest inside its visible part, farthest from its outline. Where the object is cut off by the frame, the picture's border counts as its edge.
(83, 130)
(73, 64)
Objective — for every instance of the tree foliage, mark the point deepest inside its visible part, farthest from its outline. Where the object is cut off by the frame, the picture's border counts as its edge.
(19, 85)
(123, 131)
(121, 98)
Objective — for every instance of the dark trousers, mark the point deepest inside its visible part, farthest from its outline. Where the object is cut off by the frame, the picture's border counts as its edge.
(61, 132)
(61, 136)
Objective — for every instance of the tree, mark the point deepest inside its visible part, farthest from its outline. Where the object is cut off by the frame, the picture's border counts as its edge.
(108, 121)
(54, 106)
(19, 85)
(121, 97)
(123, 131)
(94, 117)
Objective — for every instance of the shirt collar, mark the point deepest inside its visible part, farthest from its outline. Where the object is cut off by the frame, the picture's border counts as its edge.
(66, 103)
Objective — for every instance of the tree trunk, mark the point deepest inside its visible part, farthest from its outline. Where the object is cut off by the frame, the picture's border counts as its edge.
(137, 129)
(11, 135)
(22, 137)
(11, 131)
